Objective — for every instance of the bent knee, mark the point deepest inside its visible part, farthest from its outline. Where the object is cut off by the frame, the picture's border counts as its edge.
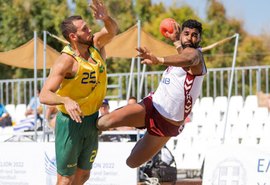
(85, 177)
(132, 164)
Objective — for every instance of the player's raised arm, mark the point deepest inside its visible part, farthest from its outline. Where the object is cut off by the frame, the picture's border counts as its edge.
(110, 29)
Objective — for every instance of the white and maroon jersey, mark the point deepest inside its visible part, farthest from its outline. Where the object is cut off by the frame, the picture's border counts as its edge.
(177, 93)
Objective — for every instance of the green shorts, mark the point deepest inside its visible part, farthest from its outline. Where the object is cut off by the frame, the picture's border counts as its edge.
(76, 144)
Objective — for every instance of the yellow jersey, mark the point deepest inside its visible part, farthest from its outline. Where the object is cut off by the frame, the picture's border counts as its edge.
(88, 87)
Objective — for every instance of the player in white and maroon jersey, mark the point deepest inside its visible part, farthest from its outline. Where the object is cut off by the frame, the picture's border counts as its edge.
(163, 112)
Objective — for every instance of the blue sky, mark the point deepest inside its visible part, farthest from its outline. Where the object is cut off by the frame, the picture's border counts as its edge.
(255, 14)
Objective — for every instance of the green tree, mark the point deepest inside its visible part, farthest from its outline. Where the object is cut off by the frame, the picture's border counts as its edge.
(217, 28)
(265, 37)
(20, 18)
(252, 52)
(125, 15)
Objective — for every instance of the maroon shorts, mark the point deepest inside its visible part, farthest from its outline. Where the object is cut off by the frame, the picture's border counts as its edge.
(156, 125)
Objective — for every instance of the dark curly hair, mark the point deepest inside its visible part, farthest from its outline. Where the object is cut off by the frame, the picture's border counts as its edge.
(191, 23)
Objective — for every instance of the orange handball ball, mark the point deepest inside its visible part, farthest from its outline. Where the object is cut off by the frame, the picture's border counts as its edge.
(166, 25)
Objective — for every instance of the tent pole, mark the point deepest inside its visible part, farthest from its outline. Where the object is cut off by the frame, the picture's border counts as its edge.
(138, 62)
(138, 73)
(130, 78)
(230, 85)
(44, 56)
(142, 78)
(44, 122)
(35, 81)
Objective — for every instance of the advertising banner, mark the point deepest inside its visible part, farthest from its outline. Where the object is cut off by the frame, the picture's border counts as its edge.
(237, 165)
(35, 163)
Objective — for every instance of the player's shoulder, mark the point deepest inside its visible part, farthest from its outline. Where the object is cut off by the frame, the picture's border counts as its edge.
(192, 52)
(64, 61)
(66, 56)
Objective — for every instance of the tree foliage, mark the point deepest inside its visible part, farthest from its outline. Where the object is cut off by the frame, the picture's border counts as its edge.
(20, 18)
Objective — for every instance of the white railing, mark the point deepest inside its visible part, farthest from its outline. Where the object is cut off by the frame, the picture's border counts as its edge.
(247, 81)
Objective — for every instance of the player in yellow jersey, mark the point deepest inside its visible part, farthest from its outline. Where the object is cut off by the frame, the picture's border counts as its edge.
(77, 84)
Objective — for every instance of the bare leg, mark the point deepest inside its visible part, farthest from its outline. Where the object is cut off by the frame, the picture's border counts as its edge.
(145, 149)
(64, 180)
(130, 115)
(134, 116)
(81, 176)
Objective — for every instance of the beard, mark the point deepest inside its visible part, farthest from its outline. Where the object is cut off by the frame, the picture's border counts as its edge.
(190, 45)
(85, 41)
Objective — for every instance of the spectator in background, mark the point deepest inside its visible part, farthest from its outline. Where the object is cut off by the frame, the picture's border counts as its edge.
(105, 107)
(5, 119)
(263, 100)
(30, 110)
(50, 116)
(132, 100)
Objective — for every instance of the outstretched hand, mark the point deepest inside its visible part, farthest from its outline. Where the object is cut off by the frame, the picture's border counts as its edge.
(99, 9)
(147, 56)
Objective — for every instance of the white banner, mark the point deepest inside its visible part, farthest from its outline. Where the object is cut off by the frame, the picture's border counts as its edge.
(110, 165)
(34, 163)
(21, 164)
(237, 165)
